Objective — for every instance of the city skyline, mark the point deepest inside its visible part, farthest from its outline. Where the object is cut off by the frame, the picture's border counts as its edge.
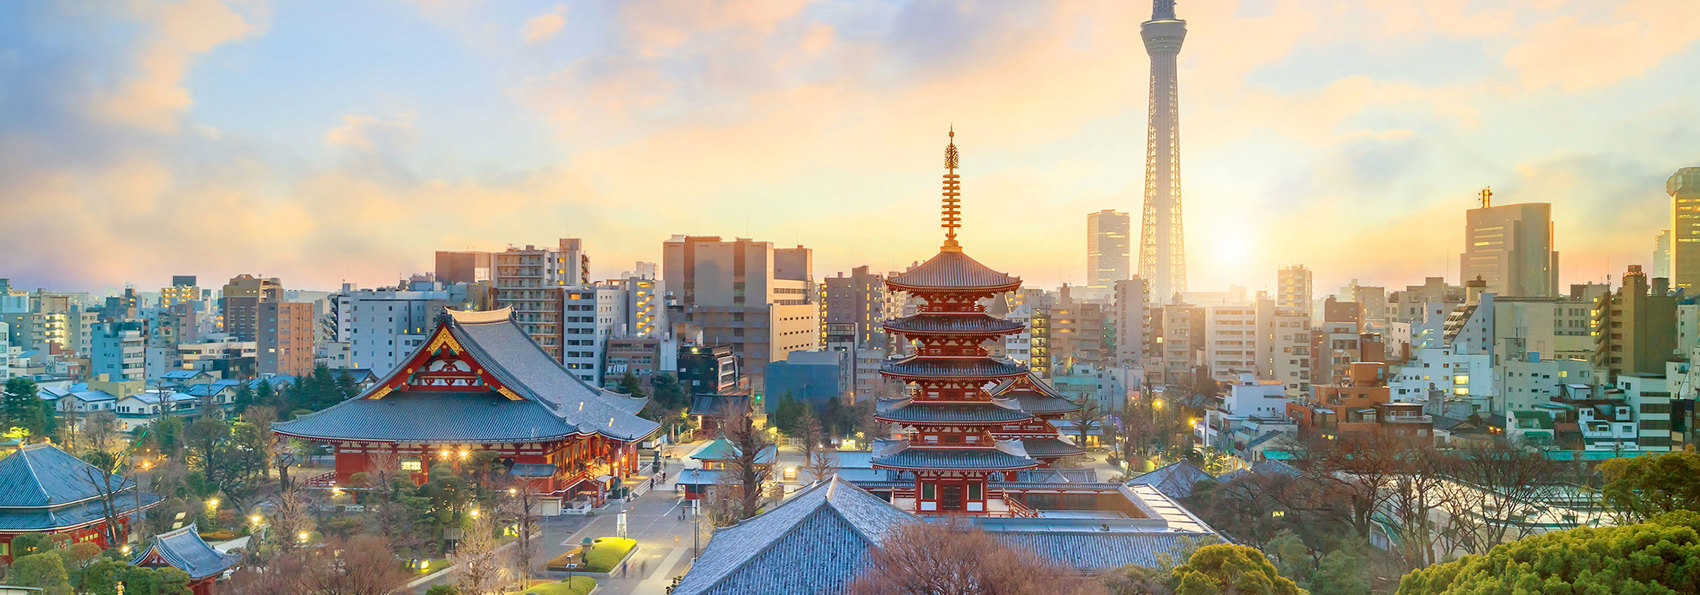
(266, 133)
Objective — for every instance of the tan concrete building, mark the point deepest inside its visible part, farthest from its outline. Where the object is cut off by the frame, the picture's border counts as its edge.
(1635, 328)
(285, 344)
(759, 299)
(1510, 247)
(529, 280)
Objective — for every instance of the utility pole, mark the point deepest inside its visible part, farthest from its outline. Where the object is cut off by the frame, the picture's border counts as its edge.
(696, 530)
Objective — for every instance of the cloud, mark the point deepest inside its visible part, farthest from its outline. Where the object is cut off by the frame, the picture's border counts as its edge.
(1574, 52)
(152, 96)
(544, 26)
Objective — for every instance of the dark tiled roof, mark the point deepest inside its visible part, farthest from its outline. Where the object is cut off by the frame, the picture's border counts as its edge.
(909, 411)
(502, 347)
(1050, 447)
(184, 550)
(1035, 395)
(556, 402)
(1274, 467)
(1174, 480)
(721, 450)
(815, 542)
(1006, 457)
(957, 324)
(716, 404)
(66, 517)
(952, 270)
(432, 416)
(1091, 552)
(41, 475)
(934, 367)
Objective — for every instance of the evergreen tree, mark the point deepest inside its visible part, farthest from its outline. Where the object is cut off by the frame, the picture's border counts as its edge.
(243, 399)
(264, 394)
(346, 387)
(630, 385)
(21, 407)
(667, 391)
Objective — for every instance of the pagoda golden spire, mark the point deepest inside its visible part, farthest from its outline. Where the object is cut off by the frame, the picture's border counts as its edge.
(951, 216)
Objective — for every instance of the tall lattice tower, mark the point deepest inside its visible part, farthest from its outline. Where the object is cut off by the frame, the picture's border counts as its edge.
(1162, 245)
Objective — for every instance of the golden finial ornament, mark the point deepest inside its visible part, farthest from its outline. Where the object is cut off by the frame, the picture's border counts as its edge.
(951, 217)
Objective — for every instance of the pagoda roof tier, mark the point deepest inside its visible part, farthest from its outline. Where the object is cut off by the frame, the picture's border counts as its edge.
(1050, 448)
(953, 272)
(946, 368)
(478, 379)
(1005, 455)
(1035, 396)
(976, 324)
(992, 413)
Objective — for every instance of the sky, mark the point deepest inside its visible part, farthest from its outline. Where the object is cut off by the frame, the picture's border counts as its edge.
(325, 142)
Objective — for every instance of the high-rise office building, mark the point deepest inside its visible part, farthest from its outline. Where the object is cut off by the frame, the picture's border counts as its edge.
(1162, 242)
(1293, 294)
(744, 293)
(1510, 247)
(1684, 190)
(1107, 250)
(858, 300)
(529, 280)
(1661, 254)
(239, 304)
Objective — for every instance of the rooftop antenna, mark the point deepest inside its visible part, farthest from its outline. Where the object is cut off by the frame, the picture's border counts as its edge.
(1487, 197)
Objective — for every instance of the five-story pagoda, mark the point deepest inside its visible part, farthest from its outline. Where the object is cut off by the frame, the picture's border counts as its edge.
(950, 417)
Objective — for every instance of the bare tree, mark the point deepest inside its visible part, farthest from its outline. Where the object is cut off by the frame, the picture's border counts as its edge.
(1090, 414)
(279, 452)
(99, 432)
(283, 573)
(823, 464)
(522, 508)
(809, 432)
(1357, 468)
(292, 519)
(1417, 493)
(956, 559)
(745, 474)
(1498, 487)
(360, 565)
(480, 568)
(102, 475)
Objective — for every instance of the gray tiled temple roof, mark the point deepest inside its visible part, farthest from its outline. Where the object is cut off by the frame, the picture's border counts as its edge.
(184, 550)
(953, 270)
(909, 411)
(1174, 480)
(938, 367)
(815, 542)
(555, 402)
(953, 324)
(43, 488)
(1050, 447)
(433, 417)
(1094, 551)
(721, 449)
(41, 475)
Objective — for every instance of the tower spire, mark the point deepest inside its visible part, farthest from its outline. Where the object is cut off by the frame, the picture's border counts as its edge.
(1162, 10)
(951, 214)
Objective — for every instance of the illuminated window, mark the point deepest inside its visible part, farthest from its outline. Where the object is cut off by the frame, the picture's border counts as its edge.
(1461, 379)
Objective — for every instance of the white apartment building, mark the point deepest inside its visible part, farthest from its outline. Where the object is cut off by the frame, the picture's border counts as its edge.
(1445, 374)
(382, 327)
(5, 352)
(1230, 347)
(1529, 384)
(1246, 399)
(1283, 346)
